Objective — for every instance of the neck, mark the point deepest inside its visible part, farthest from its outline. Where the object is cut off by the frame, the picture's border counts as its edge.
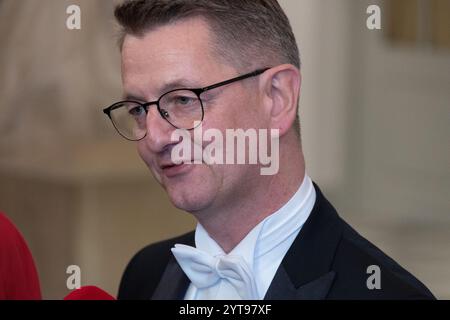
(229, 224)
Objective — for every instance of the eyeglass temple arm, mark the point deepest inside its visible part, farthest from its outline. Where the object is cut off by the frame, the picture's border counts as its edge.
(245, 76)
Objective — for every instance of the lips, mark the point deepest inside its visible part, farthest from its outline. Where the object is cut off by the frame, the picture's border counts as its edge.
(173, 170)
(169, 165)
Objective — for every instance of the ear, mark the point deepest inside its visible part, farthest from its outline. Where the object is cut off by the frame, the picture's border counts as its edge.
(281, 88)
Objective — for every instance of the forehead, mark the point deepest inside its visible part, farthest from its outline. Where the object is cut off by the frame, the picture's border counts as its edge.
(182, 50)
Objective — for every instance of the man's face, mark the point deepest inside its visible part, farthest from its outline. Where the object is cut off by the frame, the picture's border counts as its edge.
(180, 56)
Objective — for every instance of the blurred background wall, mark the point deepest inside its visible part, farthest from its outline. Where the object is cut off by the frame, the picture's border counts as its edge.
(375, 111)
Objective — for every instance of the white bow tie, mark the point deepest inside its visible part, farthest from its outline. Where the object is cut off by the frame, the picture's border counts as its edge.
(205, 270)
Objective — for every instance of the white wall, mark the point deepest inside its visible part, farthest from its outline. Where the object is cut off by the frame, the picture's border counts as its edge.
(404, 108)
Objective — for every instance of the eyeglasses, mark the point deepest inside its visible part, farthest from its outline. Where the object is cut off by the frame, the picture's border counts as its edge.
(182, 108)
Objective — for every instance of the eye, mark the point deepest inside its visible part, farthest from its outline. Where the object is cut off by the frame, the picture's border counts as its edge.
(184, 100)
(137, 111)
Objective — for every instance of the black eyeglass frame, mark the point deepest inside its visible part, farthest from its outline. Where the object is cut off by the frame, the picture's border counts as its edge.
(198, 92)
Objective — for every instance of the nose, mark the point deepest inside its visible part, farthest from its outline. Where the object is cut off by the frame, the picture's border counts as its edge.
(159, 131)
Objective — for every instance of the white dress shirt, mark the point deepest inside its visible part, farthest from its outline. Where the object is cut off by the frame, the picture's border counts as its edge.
(262, 249)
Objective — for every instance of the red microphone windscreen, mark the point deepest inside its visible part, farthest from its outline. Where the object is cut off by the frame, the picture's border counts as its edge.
(89, 293)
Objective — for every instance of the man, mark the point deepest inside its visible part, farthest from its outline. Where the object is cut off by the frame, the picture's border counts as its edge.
(234, 64)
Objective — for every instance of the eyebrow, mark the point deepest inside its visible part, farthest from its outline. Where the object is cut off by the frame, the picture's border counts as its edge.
(169, 86)
(132, 97)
